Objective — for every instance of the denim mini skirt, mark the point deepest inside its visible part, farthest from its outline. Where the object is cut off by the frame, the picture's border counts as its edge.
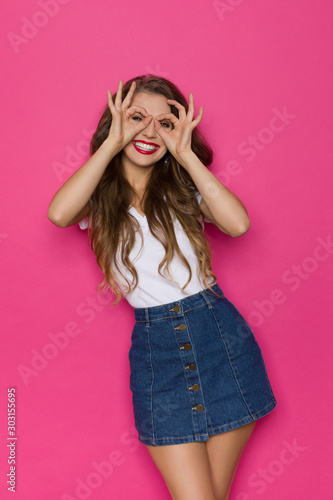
(196, 370)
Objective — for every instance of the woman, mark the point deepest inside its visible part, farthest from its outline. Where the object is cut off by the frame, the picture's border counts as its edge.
(197, 375)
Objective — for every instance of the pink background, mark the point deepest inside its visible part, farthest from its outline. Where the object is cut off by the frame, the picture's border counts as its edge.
(245, 62)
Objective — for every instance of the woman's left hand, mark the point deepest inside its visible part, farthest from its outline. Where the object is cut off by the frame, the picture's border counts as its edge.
(178, 140)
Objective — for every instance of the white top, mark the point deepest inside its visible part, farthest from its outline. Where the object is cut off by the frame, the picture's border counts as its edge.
(152, 289)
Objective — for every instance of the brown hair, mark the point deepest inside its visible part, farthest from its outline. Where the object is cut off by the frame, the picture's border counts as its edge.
(114, 229)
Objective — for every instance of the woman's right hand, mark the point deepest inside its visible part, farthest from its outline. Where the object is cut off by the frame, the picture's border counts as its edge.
(123, 129)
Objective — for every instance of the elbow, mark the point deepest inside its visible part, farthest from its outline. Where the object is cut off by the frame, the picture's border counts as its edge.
(55, 218)
(242, 229)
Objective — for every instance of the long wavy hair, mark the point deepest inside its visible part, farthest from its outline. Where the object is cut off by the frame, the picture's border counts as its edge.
(169, 192)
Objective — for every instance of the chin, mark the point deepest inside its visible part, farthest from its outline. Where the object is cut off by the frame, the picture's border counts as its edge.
(144, 160)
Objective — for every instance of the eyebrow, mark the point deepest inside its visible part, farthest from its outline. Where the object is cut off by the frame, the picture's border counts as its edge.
(163, 120)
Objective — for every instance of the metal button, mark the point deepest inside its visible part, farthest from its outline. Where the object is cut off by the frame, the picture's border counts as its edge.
(199, 407)
(176, 308)
(186, 346)
(192, 366)
(180, 327)
(195, 387)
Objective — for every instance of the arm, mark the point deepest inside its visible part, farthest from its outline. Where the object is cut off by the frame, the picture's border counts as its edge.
(71, 203)
(208, 216)
(218, 203)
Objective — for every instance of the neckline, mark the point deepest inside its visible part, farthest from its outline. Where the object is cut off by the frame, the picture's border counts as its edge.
(141, 216)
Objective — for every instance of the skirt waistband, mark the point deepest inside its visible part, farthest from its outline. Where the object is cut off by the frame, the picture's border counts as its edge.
(179, 307)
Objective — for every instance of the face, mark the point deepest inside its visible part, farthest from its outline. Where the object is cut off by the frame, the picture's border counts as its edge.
(155, 105)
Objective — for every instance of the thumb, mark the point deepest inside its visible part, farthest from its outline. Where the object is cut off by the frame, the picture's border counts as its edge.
(144, 123)
(159, 128)
(147, 120)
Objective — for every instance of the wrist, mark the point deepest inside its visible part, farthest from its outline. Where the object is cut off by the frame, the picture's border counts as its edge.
(111, 147)
(186, 158)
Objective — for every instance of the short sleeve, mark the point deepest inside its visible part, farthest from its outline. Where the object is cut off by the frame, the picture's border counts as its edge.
(199, 198)
(84, 223)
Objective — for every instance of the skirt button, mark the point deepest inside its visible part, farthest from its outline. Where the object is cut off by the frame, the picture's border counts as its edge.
(199, 407)
(176, 308)
(195, 387)
(186, 346)
(192, 366)
(181, 327)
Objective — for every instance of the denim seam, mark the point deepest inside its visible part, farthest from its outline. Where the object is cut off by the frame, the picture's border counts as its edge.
(230, 362)
(182, 362)
(176, 316)
(189, 331)
(175, 437)
(252, 415)
(273, 402)
(206, 412)
(266, 374)
(152, 382)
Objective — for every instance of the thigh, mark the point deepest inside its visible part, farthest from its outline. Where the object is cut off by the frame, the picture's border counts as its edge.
(224, 452)
(185, 470)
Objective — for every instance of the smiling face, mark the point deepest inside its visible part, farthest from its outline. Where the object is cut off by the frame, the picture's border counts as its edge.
(147, 147)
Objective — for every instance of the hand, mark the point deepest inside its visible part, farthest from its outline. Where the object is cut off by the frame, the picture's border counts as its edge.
(178, 140)
(123, 129)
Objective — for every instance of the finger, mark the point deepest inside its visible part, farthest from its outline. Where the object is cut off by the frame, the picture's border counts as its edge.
(190, 107)
(159, 128)
(180, 107)
(146, 121)
(198, 118)
(110, 102)
(118, 96)
(137, 109)
(128, 98)
(167, 116)
(139, 126)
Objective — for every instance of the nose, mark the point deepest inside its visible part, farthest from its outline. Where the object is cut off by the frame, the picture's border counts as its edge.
(150, 131)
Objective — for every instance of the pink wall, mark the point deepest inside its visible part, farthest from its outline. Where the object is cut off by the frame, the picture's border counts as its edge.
(247, 63)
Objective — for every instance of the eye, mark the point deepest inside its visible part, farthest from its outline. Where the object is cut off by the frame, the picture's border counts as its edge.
(164, 124)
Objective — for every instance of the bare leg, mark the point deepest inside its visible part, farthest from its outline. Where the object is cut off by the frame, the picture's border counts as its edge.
(185, 470)
(224, 452)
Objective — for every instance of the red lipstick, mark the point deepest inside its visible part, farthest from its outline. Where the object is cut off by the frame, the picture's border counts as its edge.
(145, 151)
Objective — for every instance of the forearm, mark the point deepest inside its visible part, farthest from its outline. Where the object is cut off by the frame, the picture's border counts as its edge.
(227, 209)
(74, 194)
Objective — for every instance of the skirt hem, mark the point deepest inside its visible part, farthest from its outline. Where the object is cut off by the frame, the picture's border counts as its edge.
(216, 430)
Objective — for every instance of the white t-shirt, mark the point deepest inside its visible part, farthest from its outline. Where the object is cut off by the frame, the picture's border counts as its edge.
(152, 289)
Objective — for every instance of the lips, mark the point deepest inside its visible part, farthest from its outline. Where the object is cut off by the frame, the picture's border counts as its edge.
(146, 148)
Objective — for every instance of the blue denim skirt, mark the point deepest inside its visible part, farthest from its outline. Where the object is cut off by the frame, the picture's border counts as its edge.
(196, 370)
